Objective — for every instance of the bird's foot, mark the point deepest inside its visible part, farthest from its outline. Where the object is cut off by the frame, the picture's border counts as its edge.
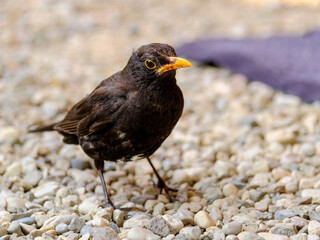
(161, 185)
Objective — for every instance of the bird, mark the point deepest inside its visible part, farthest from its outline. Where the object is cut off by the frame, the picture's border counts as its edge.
(129, 114)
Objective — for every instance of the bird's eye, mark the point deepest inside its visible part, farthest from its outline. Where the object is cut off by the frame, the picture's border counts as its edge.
(150, 64)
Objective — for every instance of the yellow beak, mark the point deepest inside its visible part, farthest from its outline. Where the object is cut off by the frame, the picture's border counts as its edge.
(175, 63)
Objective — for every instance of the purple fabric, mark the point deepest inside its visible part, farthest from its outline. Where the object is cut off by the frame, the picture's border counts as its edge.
(288, 63)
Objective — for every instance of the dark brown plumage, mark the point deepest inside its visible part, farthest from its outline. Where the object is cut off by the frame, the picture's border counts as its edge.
(130, 113)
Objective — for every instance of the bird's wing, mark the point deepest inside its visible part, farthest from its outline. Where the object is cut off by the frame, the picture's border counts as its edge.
(93, 113)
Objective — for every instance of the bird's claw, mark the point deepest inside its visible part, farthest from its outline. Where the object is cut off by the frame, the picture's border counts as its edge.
(161, 185)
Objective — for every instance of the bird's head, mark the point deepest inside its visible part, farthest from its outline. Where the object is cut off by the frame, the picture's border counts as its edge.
(156, 61)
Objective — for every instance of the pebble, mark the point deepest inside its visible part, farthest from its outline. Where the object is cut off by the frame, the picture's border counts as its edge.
(285, 213)
(185, 216)
(88, 206)
(175, 224)
(15, 228)
(26, 220)
(189, 233)
(286, 229)
(229, 190)
(15, 202)
(139, 233)
(32, 177)
(232, 228)
(3, 231)
(26, 229)
(160, 227)
(104, 233)
(158, 209)
(76, 225)
(118, 217)
(46, 189)
(313, 193)
(86, 229)
(249, 236)
(9, 134)
(13, 170)
(269, 236)
(61, 228)
(203, 219)
(314, 227)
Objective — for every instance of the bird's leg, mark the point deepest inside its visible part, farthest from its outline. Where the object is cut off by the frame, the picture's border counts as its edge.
(162, 185)
(100, 165)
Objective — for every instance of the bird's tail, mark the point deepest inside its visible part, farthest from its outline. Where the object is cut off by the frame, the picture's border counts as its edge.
(42, 128)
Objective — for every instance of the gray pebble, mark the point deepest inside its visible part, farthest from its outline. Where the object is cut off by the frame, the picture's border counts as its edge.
(16, 216)
(26, 220)
(315, 215)
(285, 213)
(184, 216)
(86, 229)
(76, 224)
(115, 227)
(61, 228)
(160, 227)
(286, 229)
(79, 164)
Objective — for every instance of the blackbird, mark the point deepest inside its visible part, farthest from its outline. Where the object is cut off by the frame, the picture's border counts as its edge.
(128, 114)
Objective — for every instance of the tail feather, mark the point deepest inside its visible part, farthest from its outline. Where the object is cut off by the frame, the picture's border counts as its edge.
(42, 128)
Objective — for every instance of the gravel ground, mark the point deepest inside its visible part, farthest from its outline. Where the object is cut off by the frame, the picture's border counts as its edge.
(244, 157)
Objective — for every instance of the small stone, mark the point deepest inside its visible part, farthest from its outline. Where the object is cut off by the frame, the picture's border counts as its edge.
(313, 237)
(278, 173)
(249, 236)
(26, 229)
(159, 226)
(229, 190)
(180, 176)
(232, 237)
(203, 219)
(141, 199)
(313, 193)
(261, 179)
(281, 135)
(270, 236)
(314, 215)
(32, 177)
(185, 216)
(88, 206)
(299, 236)
(46, 189)
(26, 220)
(285, 213)
(61, 228)
(195, 207)
(86, 229)
(3, 231)
(306, 183)
(100, 222)
(118, 217)
(286, 229)
(299, 222)
(190, 233)
(139, 219)
(104, 233)
(232, 228)
(139, 233)
(14, 170)
(224, 169)
(79, 164)
(175, 223)
(307, 149)
(290, 158)
(215, 213)
(15, 202)
(9, 135)
(76, 224)
(261, 166)
(158, 209)
(14, 228)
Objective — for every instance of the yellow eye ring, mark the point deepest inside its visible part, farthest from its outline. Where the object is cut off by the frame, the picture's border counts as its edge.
(150, 64)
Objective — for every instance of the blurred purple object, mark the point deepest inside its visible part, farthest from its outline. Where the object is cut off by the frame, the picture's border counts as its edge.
(288, 63)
